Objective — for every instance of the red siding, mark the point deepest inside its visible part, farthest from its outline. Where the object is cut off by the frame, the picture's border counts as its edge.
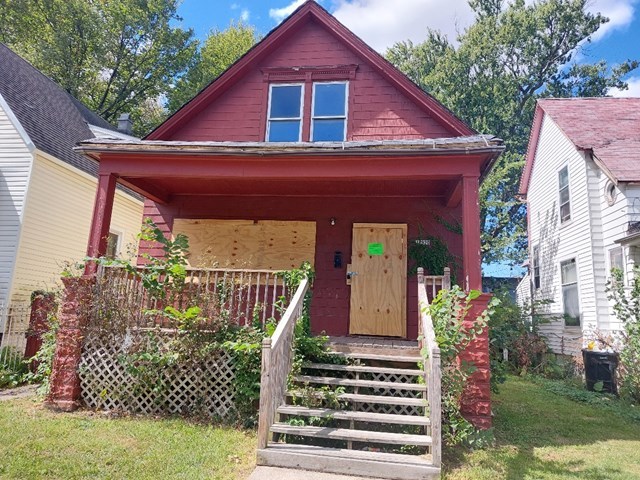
(378, 111)
(330, 306)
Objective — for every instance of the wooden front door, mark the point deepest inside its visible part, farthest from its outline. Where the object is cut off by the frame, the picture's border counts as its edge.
(378, 280)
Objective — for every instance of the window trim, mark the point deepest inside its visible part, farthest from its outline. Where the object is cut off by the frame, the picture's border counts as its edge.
(568, 202)
(313, 117)
(535, 265)
(119, 234)
(300, 118)
(577, 284)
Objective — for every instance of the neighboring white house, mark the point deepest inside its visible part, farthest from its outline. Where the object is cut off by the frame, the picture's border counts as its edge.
(47, 190)
(582, 187)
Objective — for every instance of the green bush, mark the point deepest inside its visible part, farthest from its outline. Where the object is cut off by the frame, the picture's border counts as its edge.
(12, 367)
(448, 311)
(626, 305)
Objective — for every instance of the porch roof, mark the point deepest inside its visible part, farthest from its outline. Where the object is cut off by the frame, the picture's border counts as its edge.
(476, 144)
(160, 170)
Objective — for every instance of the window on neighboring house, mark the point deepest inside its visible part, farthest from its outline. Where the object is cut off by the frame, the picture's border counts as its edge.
(113, 245)
(570, 300)
(616, 259)
(565, 204)
(329, 117)
(285, 113)
(536, 267)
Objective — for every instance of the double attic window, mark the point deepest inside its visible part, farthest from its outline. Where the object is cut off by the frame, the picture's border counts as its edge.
(327, 114)
(307, 103)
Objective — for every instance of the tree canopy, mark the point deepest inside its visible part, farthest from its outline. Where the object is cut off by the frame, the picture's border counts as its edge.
(491, 77)
(113, 55)
(219, 51)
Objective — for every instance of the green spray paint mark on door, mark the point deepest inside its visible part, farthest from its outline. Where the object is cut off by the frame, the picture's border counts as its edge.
(375, 248)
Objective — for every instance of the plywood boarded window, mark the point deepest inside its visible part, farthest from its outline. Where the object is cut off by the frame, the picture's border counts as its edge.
(248, 244)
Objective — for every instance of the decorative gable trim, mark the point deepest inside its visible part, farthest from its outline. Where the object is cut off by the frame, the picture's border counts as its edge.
(299, 18)
(532, 147)
(292, 74)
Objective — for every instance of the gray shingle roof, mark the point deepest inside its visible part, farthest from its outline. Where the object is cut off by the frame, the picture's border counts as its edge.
(54, 120)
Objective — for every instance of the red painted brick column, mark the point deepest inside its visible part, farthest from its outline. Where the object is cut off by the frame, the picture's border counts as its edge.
(64, 393)
(42, 305)
(476, 402)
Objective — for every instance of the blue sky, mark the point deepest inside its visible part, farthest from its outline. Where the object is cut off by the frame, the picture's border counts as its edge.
(384, 22)
(381, 23)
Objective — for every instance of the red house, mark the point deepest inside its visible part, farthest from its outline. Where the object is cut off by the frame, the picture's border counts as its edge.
(315, 128)
(313, 147)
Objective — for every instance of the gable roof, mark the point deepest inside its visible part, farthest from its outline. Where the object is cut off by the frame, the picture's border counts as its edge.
(54, 120)
(275, 38)
(607, 127)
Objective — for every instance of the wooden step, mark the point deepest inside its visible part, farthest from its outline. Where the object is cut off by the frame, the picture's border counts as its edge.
(365, 436)
(381, 358)
(358, 398)
(348, 462)
(355, 416)
(347, 382)
(363, 369)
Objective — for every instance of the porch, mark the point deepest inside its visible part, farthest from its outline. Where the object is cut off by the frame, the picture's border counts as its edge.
(406, 190)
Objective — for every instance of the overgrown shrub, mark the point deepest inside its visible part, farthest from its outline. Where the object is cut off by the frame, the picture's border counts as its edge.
(449, 310)
(626, 305)
(12, 367)
(515, 330)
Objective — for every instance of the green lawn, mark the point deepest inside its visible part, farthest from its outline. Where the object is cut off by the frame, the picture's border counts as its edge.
(37, 444)
(542, 435)
(539, 435)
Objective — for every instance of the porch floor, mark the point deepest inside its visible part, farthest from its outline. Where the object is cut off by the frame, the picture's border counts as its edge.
(374, 345)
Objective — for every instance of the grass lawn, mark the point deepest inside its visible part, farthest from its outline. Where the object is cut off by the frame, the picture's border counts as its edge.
(540, 435)
(543, 435)
(36, 443)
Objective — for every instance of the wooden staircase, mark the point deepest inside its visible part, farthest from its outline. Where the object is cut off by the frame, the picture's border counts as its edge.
(368, 411)
(358, 418)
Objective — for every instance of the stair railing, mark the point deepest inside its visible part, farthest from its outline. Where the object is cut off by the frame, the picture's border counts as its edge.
(277, 355)
(431, 355)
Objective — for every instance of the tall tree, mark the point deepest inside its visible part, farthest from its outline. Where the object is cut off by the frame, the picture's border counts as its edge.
(113, 55)
(220, 50)
(513, 54)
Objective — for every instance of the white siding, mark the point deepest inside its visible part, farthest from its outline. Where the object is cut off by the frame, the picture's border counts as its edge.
(559, 242)
(57, 222)
(15, 166)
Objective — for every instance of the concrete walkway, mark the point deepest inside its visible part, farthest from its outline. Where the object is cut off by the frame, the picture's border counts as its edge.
(273, 473)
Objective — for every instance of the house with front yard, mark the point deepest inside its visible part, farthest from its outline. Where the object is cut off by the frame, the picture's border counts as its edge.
(312, 147)
(581, 183)
(46, 189)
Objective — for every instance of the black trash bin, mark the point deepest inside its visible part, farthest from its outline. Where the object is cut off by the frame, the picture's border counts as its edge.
(600, 367)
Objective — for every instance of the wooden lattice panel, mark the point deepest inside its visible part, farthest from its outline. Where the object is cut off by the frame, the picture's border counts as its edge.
(205, 388)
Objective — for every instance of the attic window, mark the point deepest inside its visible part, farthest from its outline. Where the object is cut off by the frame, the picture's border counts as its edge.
(610, 193)
(329, 122)
(285, 113)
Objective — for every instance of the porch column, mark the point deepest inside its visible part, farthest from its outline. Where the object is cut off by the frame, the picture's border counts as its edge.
(102, 209)
(471, 258)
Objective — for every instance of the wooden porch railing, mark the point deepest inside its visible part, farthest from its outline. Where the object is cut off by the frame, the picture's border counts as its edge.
(277, 353)
(244, 295)
(431, 353)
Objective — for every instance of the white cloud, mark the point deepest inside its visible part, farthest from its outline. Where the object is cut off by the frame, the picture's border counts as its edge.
(381, 23)
(619, 12)
(234, 6)
(245, 14)
(633, 91)
(279, 14)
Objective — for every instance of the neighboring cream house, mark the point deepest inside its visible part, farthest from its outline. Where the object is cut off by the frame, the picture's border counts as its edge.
(582, 187)
(47, 190)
